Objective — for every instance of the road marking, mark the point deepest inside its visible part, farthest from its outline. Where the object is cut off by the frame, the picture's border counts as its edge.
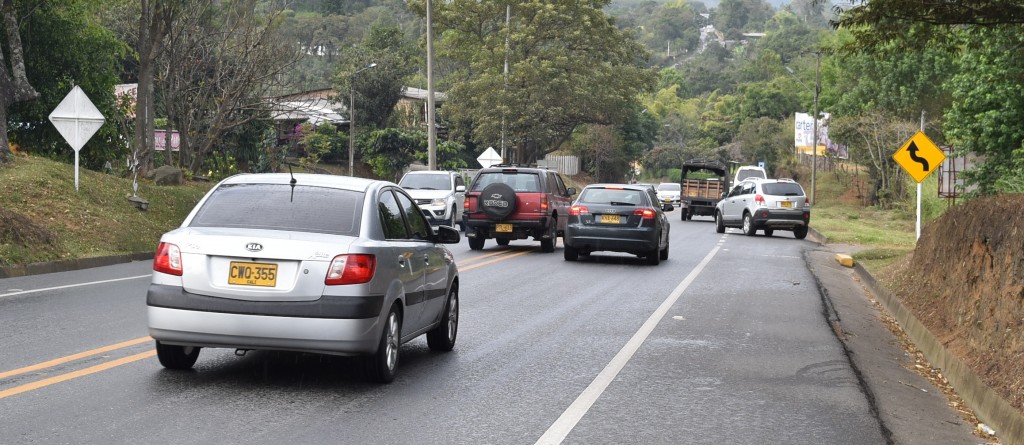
(9, 294)
(73, 357)
(501, 258)
(481, 257)
(76, 374)
(557, 432)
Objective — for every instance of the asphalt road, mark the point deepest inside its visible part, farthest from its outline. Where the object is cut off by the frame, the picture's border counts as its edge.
(725, 342)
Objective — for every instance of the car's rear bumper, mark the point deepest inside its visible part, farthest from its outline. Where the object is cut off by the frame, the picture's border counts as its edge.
(780, 218)
(242, 331)
(327, 306)
(618, 239)
(521, 228)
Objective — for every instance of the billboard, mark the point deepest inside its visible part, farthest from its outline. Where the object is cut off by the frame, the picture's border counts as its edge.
(804, 137)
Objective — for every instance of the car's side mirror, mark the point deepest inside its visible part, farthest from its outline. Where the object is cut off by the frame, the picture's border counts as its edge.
(572, 191)
(447, 235)
(460, 189)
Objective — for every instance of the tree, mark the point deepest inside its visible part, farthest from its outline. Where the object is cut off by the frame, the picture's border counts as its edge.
(14, 85)
(568, 66)
(876, 23)
(223, 60)
(64, 46)
(869, 138)
(377, 90)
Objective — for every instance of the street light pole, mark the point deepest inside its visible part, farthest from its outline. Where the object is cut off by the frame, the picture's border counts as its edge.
(352, 118)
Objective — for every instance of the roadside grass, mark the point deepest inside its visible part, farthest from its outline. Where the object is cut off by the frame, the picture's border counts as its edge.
(884, 236)
(43, 218)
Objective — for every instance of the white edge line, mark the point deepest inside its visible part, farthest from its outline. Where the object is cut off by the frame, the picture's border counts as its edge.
(73, 285)
(558, 431)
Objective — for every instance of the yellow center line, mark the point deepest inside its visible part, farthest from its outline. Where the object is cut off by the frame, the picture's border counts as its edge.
(76, 374)
(73, 357)
(481, 257)
(502, 258)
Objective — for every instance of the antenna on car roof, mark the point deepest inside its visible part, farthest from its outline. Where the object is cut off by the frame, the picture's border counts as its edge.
(292, 182)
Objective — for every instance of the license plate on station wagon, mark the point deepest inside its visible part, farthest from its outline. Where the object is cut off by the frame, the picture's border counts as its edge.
(503, 228)
(252, 274)
(610, 219)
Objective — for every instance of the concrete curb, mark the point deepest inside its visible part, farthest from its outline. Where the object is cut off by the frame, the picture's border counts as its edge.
(66, 265)
(988, 405)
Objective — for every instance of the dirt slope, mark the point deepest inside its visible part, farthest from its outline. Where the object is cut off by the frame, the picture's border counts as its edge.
(965, 281)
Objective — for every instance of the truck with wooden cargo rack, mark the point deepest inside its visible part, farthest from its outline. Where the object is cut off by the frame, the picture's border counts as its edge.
(702, 184)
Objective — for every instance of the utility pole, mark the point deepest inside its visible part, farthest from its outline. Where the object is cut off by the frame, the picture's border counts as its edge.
(431, 128)
(814, 156)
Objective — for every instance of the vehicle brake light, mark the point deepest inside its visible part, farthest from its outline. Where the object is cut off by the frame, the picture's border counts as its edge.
(759, 199)
(807, 202)
(168, 259)
(465, 204)
(645, 213)
(544, 203)
(578, 210)
(351, 269)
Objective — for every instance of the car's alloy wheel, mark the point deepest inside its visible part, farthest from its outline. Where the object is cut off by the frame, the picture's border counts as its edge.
(177, 357)
(381, 366)
(719, 225)
(748, 225)
(442, 337)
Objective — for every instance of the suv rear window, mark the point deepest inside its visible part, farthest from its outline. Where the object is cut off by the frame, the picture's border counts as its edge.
(782, 189)
(278, 207)
(519, 181)
(745, 173)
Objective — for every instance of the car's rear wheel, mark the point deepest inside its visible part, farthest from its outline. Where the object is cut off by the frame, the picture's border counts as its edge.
(654, 257)
(570, 253)
(800, 232)
(663, 255)
(748, 225)
(381, 366)
(719, 224)
(442, 337)
(177, 357)
(547, 245)
(768, 232)
(476, 243)
(502, 241)
(688, 214)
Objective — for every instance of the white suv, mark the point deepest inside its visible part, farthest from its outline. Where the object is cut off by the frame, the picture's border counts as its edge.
(440, 194)
(668, 193)
(765, 204)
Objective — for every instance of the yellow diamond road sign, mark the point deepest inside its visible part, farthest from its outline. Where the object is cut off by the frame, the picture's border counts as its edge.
(919, 156)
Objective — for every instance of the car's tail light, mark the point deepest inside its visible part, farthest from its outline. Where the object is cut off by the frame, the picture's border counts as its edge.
(578, 210)
(759, 199)
(168, 259)
(807, 202)
(544, 203)
(351, 269)
(465, 204)
(645, 213)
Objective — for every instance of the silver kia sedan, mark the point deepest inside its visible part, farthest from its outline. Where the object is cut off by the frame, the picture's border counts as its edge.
(311, 263)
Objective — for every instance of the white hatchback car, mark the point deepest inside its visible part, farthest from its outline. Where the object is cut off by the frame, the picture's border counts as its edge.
(310, 263)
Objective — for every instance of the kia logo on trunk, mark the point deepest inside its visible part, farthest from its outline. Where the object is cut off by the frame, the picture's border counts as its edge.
(254, 247)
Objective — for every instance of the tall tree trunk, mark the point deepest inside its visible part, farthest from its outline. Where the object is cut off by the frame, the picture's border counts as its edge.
(14, 85)
(152, 30)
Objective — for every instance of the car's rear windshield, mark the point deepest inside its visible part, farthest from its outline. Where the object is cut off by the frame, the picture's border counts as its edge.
(782, 189)
(519, 181)
(668, 187)
(279, 207)
(610, 196)
(426, 182)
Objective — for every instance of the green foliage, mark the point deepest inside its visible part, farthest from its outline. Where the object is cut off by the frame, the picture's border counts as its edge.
(377, 89)
(65, 46)
(389, 151)
(568, 66)
(988, 107)
(319, 141)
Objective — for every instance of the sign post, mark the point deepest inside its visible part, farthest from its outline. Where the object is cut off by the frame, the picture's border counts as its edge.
(77, 119)
(919, 156)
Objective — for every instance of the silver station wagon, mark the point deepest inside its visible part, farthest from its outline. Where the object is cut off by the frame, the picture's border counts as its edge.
(310, 263)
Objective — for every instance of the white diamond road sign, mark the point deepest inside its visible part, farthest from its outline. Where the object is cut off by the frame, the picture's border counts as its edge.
(489, 158)
(77, 119)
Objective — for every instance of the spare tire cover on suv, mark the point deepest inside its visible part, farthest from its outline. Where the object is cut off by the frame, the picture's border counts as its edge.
(497, 200)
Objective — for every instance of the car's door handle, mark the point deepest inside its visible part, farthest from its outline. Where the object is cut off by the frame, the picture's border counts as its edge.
(401, 260)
